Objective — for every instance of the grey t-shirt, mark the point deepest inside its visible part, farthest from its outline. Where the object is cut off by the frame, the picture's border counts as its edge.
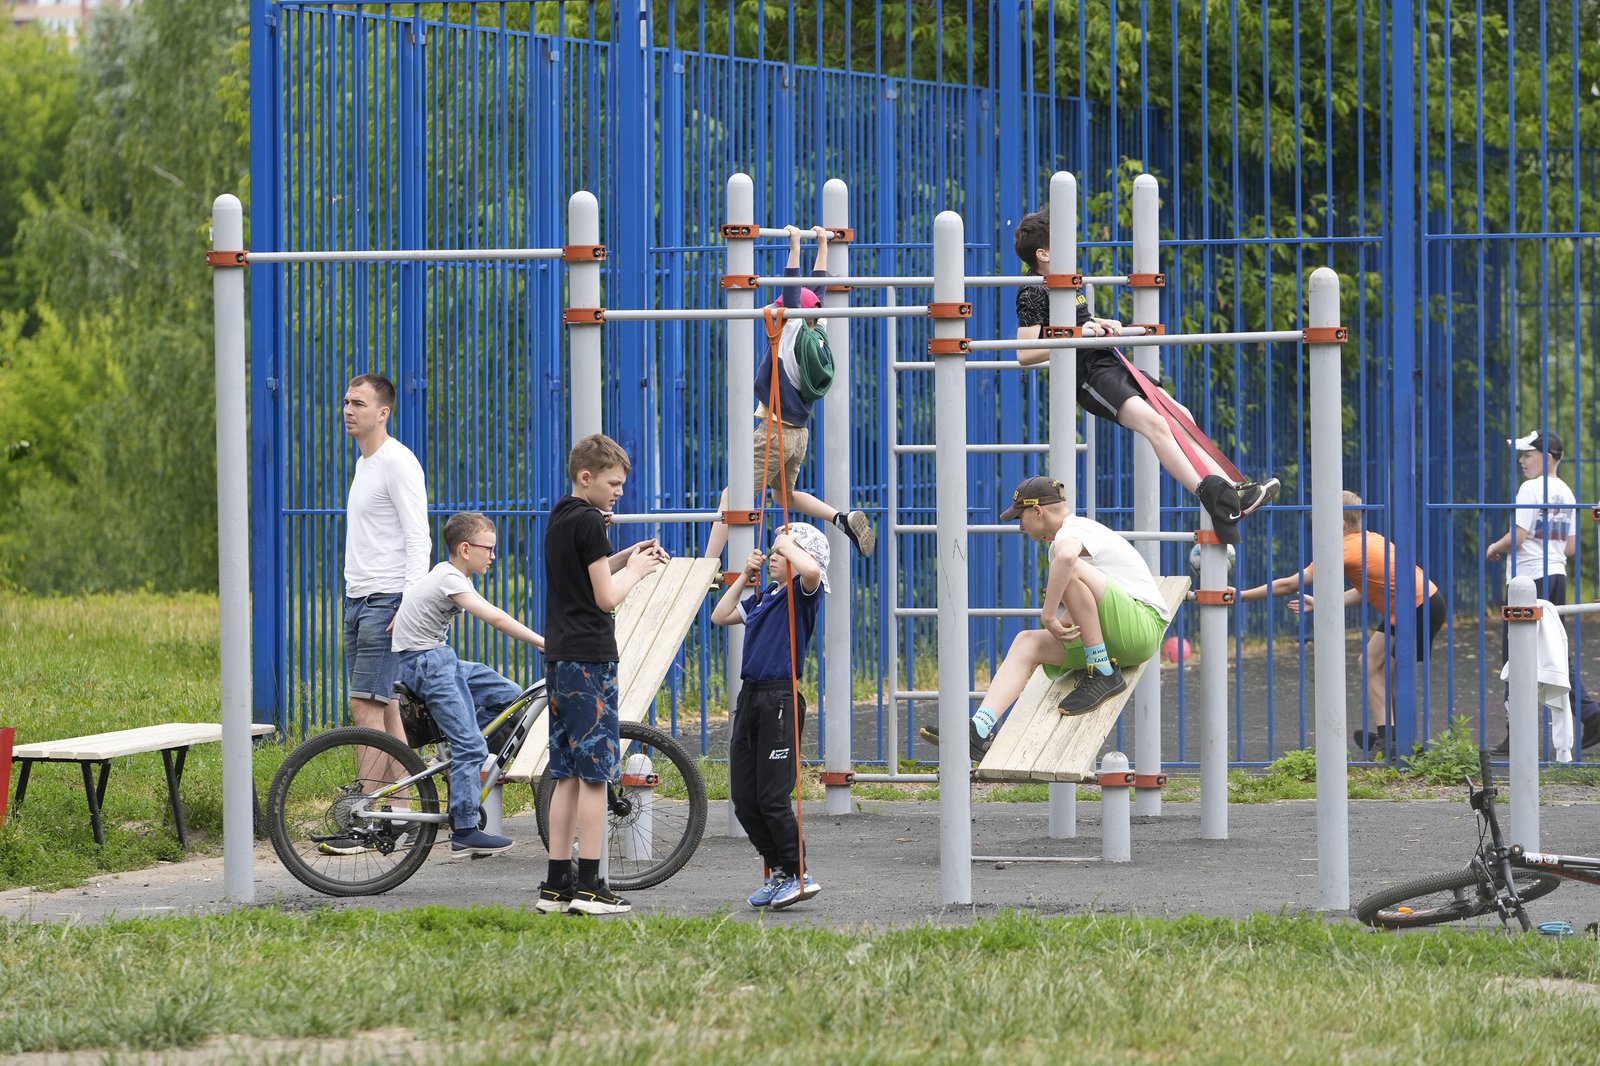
(426, 611)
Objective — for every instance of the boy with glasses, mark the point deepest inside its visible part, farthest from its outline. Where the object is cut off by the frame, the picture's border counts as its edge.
(460, 695)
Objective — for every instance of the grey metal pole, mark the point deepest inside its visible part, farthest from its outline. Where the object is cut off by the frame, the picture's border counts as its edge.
(233, 554)
(583, 290)
(1213, 693)
(1063, 810)
(1147, 484)
(741, 402)
(839, 702)
(950, 431)
(1522, 652)
(889, 588)
(1327, 553)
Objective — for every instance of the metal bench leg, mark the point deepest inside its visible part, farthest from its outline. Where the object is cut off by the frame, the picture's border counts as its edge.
(22, 785)
(174, 778)
(96, 796)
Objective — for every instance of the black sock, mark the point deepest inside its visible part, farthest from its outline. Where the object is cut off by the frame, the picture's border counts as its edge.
(588, 870)
(842, 520)
(560, 873)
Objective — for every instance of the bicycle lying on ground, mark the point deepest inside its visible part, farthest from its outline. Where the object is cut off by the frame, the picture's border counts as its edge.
(1499, 880)
(346, 835)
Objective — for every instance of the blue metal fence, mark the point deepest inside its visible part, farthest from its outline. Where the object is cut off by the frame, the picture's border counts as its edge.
(1285, 136)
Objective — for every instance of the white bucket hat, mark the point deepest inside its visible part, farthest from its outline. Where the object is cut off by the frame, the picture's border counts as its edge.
(813, 542)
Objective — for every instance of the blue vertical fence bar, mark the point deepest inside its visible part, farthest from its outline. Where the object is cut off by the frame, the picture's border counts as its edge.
(402, 125)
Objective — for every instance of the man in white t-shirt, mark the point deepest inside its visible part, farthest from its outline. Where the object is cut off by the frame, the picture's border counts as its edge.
(1102, 611)
(386, 550)
(1543, 534)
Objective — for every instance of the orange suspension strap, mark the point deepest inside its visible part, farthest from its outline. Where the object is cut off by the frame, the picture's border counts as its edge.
(775, 320)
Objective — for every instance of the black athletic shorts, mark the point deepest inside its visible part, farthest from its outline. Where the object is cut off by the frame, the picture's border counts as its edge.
(1430, 619)
(1105, 384)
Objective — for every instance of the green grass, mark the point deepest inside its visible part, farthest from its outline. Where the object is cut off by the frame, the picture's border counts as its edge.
(72, 666)
(499, 985)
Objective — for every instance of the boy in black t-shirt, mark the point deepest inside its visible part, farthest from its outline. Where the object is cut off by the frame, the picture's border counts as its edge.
(1108, 389)
(763, 753)
(584, 584)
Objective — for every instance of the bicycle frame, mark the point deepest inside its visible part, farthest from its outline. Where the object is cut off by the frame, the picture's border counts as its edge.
(1580, 868)
(526, 708)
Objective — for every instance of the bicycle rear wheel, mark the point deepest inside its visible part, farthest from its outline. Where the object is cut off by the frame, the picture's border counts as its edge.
(322, 841)
(1444, 898)
(655, 819)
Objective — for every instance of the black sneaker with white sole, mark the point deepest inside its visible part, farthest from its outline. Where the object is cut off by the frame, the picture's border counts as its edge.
(1255, 495)
(978, 746)
(553, 899)
(596, 899)
(1093, 690)
(857, 527)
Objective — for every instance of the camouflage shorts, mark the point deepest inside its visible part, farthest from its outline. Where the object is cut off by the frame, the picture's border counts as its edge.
(583, 721)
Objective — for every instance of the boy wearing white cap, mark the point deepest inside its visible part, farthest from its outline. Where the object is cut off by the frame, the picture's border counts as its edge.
(1543, 534)
(763, 753)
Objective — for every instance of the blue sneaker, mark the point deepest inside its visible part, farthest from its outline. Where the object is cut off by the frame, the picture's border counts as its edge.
(793, 891)
(763, 895)
(477, 842)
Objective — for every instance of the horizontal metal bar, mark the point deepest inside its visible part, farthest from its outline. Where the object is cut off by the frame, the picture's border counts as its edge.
(1163, 535)
(929, 694)
(982, 449)
(1578, 608)
(1544, 236)
(896, 779)
(665, 518)
(664, 314)
(1170, 340)
(972, 612)
(911, 281)
(970, 364)
(1035, 858)
(405, 255)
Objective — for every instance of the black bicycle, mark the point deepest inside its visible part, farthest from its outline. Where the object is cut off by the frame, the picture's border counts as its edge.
(343, 829)
(1499, 880)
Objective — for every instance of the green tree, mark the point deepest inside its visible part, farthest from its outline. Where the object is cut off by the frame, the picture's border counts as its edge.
(38, 105)
(119, 490)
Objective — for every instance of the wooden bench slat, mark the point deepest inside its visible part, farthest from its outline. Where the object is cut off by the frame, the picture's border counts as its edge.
(1050, 746)
(102, 746)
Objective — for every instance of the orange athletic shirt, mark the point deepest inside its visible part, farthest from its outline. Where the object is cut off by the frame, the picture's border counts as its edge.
(1379, 560)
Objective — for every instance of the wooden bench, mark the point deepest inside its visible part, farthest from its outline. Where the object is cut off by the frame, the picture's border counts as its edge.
(172, 740)
(1039, 743)
(651, 626)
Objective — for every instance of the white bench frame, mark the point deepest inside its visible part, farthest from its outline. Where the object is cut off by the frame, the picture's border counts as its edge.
(173, 740)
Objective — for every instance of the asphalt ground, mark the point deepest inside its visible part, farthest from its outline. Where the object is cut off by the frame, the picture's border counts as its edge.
(880, 867)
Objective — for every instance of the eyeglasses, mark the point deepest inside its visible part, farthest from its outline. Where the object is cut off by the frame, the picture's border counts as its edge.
(486, 547)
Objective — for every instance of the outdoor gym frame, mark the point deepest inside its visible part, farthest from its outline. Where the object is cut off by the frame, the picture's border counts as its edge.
(586, 315)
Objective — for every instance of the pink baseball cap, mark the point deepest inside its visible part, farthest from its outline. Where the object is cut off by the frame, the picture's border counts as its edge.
(808, 299)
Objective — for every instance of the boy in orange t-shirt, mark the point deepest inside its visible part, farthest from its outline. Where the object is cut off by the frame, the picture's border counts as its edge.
(1369, 570)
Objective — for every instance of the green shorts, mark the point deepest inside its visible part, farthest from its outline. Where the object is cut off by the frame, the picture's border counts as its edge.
(1133, 632)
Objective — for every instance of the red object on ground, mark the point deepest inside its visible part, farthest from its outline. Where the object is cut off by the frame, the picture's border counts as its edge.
(8, 736)
(1176, 649)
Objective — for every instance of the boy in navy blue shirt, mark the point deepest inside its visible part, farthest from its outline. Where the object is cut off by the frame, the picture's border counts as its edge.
(763, 754)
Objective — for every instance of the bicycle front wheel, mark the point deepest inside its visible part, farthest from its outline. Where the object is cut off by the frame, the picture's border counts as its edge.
(312, 813)
(1444, 898)
(655, 815)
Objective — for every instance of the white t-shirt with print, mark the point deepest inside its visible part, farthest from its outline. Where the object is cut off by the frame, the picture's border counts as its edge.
(1115, 558)
(1548, 524)
(386, 541)
(426, 611)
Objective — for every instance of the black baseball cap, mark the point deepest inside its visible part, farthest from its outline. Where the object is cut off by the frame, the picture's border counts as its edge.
(1540, 440)
(1034, 490)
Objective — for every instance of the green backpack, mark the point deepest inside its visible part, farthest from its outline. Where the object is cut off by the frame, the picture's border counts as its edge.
(813, 356)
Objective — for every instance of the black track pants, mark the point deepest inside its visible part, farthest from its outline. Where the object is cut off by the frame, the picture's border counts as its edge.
(762, 762)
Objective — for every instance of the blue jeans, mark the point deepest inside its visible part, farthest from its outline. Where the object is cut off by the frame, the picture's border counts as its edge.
(461, 696)
(369, 665)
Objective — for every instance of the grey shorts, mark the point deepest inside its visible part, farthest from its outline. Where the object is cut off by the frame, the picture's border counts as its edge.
(370, 668)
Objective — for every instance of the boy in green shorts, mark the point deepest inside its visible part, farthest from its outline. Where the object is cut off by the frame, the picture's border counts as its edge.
(1102, 611)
